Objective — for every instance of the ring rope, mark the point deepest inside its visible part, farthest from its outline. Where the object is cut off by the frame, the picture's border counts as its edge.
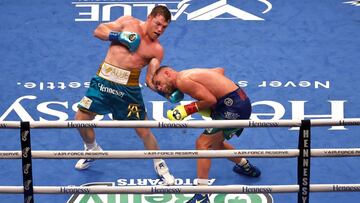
(180, 189)
(181, 124)
(304, 152)
(172, 154)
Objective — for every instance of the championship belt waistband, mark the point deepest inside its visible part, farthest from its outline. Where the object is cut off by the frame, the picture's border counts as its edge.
(118, 75)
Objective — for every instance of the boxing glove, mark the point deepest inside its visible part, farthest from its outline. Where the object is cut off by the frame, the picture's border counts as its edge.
(130, 40)
(180, 112)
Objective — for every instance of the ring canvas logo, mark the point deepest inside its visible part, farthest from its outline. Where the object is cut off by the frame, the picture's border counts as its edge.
(297, 111)
(354, 3)
(101, 10)
(163, 198)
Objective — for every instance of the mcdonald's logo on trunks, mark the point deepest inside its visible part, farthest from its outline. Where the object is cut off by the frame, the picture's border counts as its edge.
(133, 109)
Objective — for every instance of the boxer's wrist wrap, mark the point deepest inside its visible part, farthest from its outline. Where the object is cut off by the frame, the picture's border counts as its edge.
(191, 108)
(180, 112)
(114, 36)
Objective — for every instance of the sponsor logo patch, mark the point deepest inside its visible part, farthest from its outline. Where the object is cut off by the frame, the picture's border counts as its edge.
(85, 102)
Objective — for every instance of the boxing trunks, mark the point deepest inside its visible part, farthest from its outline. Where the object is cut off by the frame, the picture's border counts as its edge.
(115, 90)
(233, 106)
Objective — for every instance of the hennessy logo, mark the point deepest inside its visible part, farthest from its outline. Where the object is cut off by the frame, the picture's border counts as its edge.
(133, 109)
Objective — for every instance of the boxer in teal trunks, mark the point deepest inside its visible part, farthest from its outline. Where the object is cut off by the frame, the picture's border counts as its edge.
(124, 102)
(218, 97)
(134, 44)
(117, 101)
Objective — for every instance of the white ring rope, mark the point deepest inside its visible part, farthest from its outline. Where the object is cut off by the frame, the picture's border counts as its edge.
(181, 124)
(282, 153)
(138, 154)
(180, 189)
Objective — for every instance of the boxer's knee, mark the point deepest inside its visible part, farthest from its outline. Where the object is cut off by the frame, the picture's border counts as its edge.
(84, 115)
(218, 146)
(201, 143)
(205, 142)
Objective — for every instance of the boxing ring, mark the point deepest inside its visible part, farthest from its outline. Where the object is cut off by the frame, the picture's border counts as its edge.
(303, 153)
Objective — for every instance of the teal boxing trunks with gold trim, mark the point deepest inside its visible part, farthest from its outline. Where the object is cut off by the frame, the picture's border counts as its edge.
(115, 90)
